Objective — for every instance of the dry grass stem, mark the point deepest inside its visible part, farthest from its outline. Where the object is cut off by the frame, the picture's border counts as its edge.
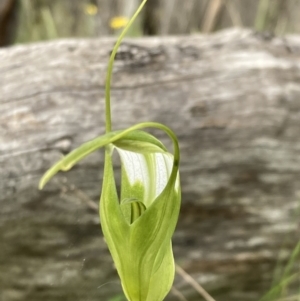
(234, 13)
(211, 15)
(178, 294)
(194, 284)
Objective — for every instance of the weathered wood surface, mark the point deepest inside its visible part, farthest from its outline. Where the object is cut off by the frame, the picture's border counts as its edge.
(233, 98)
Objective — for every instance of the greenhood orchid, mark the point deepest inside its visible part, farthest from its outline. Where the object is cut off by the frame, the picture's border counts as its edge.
(139, 224)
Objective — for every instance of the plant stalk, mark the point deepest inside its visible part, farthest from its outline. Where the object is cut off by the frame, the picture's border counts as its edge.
(108, 126)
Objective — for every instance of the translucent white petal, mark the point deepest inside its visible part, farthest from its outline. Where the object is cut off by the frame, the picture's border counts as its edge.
(151, 170)
(163, 164)
(135, 166)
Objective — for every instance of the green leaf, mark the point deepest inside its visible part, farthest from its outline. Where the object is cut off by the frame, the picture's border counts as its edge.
(67, 162)
(114, 226)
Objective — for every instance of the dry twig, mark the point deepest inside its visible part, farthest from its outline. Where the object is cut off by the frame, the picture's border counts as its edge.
(194, 284)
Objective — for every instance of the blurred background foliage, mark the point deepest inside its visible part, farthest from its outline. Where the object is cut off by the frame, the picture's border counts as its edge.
(23, 21)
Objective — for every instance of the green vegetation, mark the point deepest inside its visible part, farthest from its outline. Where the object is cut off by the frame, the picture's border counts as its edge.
(45, 19)
(285, 287)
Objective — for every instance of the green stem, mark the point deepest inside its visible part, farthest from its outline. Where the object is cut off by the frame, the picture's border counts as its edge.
(110, 68)
(262, 15)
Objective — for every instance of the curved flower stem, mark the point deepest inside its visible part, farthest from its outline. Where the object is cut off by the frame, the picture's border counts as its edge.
(110, 68)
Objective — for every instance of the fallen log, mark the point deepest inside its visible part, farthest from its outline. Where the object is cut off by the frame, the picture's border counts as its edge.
(233, 98)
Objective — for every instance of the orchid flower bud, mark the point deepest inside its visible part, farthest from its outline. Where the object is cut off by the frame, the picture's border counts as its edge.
(138, 227)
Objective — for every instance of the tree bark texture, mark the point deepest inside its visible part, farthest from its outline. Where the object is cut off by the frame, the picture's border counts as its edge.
(233, 98)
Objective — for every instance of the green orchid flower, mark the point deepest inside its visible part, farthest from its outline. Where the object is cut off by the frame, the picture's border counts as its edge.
(139, 225)
(139, 234)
